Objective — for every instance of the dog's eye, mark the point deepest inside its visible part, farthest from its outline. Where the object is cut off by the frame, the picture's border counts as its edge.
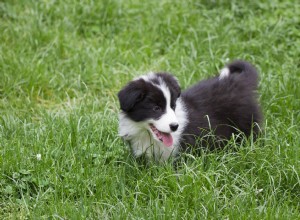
(156, 108)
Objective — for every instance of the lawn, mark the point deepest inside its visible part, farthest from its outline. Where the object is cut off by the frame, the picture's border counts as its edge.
(61, 66)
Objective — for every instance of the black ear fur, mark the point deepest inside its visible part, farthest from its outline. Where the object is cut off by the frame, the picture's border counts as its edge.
(131, 94)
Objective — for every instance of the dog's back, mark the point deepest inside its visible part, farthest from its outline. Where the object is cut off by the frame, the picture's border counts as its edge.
(222, 105)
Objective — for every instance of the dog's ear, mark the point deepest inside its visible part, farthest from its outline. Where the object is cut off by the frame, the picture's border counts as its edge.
(131, 94)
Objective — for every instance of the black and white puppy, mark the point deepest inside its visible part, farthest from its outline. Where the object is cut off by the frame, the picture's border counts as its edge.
(160, 121)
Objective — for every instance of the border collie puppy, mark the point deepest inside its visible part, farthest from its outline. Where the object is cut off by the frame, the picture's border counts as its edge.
(159, 121)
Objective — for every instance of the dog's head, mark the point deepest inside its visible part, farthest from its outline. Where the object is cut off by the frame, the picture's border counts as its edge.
(151, 101)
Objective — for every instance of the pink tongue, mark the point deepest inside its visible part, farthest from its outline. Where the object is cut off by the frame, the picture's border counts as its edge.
(167, 139)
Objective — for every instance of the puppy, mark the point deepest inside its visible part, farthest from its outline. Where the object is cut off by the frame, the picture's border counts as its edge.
(160, 121)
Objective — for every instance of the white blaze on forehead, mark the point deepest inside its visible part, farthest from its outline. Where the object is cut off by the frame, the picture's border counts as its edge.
(163, 87)
(224, 73)
(150, 77)
(169, 117)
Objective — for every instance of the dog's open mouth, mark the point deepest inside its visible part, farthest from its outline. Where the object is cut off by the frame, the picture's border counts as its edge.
(166, 138)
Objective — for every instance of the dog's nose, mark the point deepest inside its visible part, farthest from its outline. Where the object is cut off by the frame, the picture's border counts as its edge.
(174, 126)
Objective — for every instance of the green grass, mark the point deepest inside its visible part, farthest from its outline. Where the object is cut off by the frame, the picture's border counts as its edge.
(61, 65)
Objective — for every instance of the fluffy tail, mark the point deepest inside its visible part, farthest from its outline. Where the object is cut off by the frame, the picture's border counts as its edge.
(240, 69)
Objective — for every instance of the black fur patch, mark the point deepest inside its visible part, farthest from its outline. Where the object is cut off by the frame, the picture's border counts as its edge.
(173, 86)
